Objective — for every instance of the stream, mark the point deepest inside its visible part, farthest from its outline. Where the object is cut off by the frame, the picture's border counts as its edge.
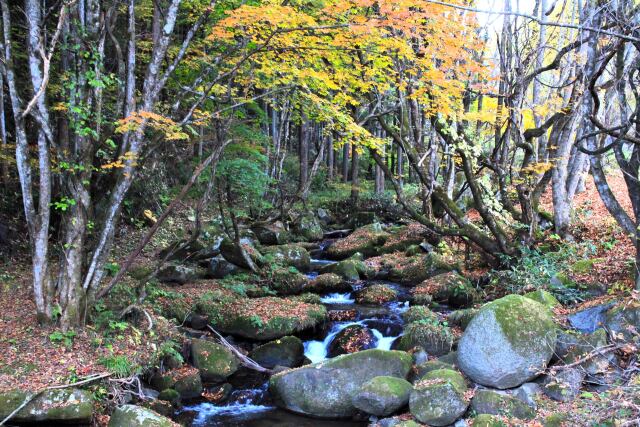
(253, 407)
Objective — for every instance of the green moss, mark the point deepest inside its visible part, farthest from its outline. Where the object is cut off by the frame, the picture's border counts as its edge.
(584, 266)
(440, 376)
(376, 294)
(462, 317)
(386, 385)
(214, 361)
(431, 365)
(419, 312)
(493, 403)
(543, 297)
(169, 395)
(435, 338)
(308, 298)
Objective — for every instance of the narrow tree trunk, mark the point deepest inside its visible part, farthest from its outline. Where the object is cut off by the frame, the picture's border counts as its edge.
(354, 174)
(345, 162)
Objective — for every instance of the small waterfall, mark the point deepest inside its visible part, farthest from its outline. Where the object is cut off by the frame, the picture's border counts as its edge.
(337, 298)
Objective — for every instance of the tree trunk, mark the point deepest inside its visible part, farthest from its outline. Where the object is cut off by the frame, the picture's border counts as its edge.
(355, 182)
(345, 162)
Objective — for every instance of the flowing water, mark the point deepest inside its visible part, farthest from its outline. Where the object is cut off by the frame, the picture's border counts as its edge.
(253, 407)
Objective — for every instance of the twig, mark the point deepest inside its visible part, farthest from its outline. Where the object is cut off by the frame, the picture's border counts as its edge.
(597, 352)
(246, 361)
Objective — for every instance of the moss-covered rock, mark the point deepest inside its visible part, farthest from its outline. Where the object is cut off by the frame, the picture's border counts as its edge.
(431, 365)
(271, 234)
(352, 339)
(419, 312)
(232, 253)
(286, 351)
(508, 342)
(583, 266)
(136, 416)
(185, 381)
(495, 403)
(572, 347)
(544, 298)
(563, 385)
(261, 318)
(215, 362)
(288, 281)
(435, 338)
(179, 273)
(326, 389)
(290, 255)
(170, 395)
(308, 227)
(327, 283)
(624, 321)
(351, 269)
(462, 317)
(376, 294)
(418, 268)
(486, 420)
(51, 407)
(382, 396)
(366, 240)
(308, 298)
(443, 287)
(438, 399)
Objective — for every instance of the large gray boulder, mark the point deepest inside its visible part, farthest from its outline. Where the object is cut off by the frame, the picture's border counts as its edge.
(136, 416)
(286, 351)
(383, 396)
(326, 389)
(438, 399)
(214, 361)
(290, 255)
(51, 407)
(508, 342)
(501, 403)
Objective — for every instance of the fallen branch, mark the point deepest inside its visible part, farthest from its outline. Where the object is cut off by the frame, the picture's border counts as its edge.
(246, 361)
(596, 352)
(30, 398)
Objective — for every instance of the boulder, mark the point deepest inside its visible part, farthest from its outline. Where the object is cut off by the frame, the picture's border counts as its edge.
(215, 362)
(178, 274)
(382, 396)
(288, 281)
(590, 319)
(185, 381)
(286, 351)
(351, 269)
(462, 317)
(352, 339)
(271, 234)
(290, 255)
(219, 268)
(573, 346)
(308, 227)
(327, 283)
(435, 338)
(376, 294)
(563, 385)
(326, 389)
(136, 416)
(416, 269)
(500, 403)
(232, 253)
(365, 240)
(51, 407)
(544, 298)
(438, 399)
(431, 365)
(508, 342)
(419, 312)
(441, 287)
(624, 321)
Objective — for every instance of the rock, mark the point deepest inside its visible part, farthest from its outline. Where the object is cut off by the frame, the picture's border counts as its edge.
(290, 255)
(288, 281)
(365, 240)
(442, 287)
(232, 253)
(435, 338)
(309, 228)
(563, 385)
(308, 298)
(219, 268)
(623, 321)
(215, 362)
(407, 239)
(170, 395)
(264, 319)
(451, 358)
(419, 312)
(376, 294)
(352, 339)
(328, 283)
(136, 416)
(500, 403)
(185, 381)
(508, 342)
(326, 389)
(349, 269)
(527, 393)
(63, 406)
(431, 365)
(177, 273)
(573, 346)
(544, 298)
(486, 420)
(462, 317)
(590, 319)
(438, 399)
(419, 268)
(286, 351)
(271, 234)
(324, 216)
(382, 396)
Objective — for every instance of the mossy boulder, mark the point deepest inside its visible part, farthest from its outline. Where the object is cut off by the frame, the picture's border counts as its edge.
(382, 396)
(232, 253)
(500, 403)
(261, 318)
(290, 255)
(508, 342)
(462, 317)
(451, 288)
(327, 283)
(51, 407)
(215, 362)
(419, 312)
(136, 416)
(308, 298)
(219, 268)
(271, 234)
(486, 420)
(326, 389)
(438, 399)
(179, 273)
(563, 385)
(376, 294)
(308, 227)
(544, 298)
(351, 269)
(366, 240)
(288, 281)
(285, 351)
(624, 321)
(186, 381)
(416, 269)
(436, 339)
(572, 347)
(352, 339)
(583, 266)
(430, 365)
(170, 395)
